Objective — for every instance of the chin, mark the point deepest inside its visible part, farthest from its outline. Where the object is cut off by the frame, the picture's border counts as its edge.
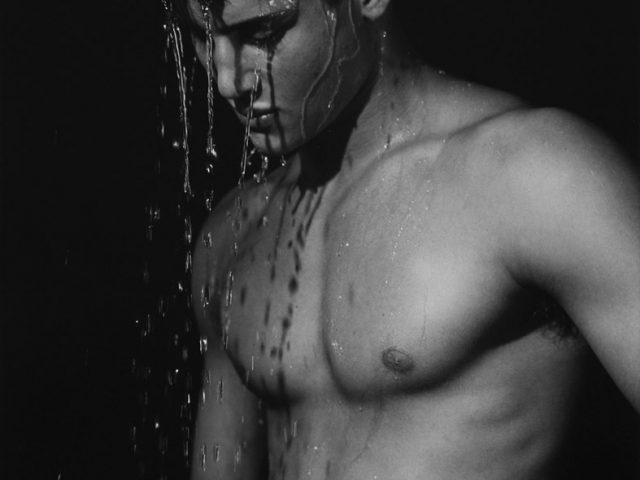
(274, 145)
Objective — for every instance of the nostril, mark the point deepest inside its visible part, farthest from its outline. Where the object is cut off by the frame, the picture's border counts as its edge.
(243, 101)
(252, 82)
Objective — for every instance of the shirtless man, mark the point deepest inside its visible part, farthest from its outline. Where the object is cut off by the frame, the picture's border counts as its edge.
(387, 304)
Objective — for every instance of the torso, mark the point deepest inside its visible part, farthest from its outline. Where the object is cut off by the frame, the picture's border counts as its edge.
(383, 330)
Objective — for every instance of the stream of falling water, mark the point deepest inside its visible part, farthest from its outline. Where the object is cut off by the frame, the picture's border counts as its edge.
(211, 147)
(247, 131)
(175, 40)
(161, 435)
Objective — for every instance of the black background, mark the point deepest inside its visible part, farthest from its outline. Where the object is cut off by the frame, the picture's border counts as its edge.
(80, 109)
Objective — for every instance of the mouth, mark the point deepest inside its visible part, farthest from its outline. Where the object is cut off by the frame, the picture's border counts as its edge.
(261, 120)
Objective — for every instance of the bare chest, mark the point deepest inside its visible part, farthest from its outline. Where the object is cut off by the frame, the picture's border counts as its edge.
(366, 299)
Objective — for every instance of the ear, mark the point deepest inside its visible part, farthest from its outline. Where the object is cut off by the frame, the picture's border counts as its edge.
(373, 9)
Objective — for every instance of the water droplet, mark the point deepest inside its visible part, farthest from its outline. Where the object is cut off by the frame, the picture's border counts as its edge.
(220, 390)
(172, 377)
(162, 310)
(387, 143)
(264, 167)
(237, 457)
(204, 296)
(207, 239)
(209, 201)
(145, 273)
(203, 345)
(187, 230)
(229, 290)
(203, 457)
(187, 262)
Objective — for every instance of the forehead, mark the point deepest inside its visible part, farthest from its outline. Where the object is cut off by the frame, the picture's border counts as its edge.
(231, 12)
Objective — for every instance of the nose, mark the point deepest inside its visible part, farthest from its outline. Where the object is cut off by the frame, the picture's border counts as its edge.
(236, 76)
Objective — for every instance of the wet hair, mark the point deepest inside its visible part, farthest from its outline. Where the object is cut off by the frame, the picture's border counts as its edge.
(181, 10)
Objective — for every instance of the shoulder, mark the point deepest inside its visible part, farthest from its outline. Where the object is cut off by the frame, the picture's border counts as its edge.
(561, 188)
(535, 155)
(223, 231)
(548, 158)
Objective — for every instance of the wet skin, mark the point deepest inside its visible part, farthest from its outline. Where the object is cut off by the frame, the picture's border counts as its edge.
(291, 44)
(389, 320)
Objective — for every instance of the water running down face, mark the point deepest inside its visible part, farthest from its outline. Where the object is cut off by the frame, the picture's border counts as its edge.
(310, 59)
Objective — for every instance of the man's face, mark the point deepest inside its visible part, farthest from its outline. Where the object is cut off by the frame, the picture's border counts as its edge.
(309, 58)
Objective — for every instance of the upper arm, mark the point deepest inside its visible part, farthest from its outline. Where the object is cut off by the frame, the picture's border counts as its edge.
(230, 435)
(575, 232)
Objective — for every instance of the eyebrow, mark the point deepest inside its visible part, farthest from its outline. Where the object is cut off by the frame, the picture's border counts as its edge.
(256, 20)
(222, 28)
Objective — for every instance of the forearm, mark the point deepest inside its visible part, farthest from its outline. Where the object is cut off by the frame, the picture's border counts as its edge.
(230, 439)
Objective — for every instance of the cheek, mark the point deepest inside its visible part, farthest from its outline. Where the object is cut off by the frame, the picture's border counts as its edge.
(299, 72)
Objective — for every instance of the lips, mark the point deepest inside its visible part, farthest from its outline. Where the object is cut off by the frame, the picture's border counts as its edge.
(260, 119)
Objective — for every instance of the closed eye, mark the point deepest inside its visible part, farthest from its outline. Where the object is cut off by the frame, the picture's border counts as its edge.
(268, 30)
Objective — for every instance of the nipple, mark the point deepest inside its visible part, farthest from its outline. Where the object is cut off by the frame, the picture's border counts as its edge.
(397, 360)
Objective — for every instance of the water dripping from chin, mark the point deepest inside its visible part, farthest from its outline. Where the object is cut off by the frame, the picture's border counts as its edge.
(247, 131)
